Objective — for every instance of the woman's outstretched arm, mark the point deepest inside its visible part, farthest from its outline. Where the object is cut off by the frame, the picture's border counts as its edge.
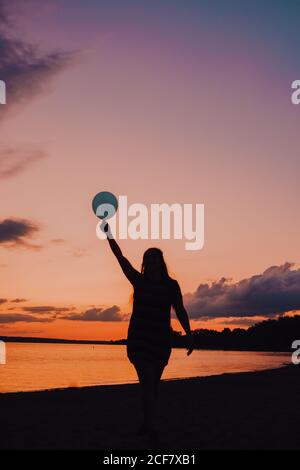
(127, 268)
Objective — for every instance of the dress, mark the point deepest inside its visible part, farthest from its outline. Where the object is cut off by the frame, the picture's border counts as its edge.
(149, 332)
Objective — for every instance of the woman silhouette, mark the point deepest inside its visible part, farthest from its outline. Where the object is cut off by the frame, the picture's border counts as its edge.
(149, 332)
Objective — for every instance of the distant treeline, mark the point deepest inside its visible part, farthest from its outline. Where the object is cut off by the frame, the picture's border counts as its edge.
(268, 335)
(30, 339)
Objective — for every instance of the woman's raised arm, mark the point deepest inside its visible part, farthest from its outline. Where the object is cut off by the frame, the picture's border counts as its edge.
(130, 272)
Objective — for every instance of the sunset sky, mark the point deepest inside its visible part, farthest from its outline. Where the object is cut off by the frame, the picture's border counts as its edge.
(161, 101)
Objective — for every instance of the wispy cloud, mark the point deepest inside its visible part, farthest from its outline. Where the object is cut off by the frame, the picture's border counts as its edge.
(275, 291)
(242, 322)
(3, 301)
(8, 329)
(14, 161)
(80, 252)
(97, 314)
(58, 241)
(25, 71)
(45, 309)
(17, 301)
(20, 317)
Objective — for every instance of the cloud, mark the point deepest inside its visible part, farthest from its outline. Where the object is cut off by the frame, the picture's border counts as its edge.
(20, 317)
(97, 314)
(80, 252)
(14, 161)
(25, 71)
(275, 291)
(3, 301)
(45, 309)
(16, 232)
(17, 331)
(17, 301)
(241, 321)
(58, 241)
(3, 12)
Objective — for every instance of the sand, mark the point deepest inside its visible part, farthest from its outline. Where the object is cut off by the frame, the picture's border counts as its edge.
(254, 410)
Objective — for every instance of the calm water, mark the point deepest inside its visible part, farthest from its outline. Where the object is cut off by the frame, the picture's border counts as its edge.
(45, 366)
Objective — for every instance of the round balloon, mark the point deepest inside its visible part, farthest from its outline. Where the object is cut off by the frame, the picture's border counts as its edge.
(105, 205)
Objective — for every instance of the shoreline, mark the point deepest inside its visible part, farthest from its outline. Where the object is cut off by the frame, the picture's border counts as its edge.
(171, 379)
(245, 410)
(122, 342)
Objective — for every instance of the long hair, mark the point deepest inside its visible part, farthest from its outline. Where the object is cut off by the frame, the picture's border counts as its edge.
(150, 258)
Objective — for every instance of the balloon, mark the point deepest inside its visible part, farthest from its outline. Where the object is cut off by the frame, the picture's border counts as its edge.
(105, 205)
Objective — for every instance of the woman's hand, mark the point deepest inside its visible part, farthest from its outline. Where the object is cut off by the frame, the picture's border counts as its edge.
(189, 343)
(105, 227)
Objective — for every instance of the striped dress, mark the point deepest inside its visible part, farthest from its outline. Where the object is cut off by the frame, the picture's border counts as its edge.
(149, 332)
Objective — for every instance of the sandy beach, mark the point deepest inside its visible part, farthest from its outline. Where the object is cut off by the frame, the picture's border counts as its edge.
(256, 410)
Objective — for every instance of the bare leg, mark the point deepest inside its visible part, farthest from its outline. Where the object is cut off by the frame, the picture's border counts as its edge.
(158, 371)
(149, 375)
